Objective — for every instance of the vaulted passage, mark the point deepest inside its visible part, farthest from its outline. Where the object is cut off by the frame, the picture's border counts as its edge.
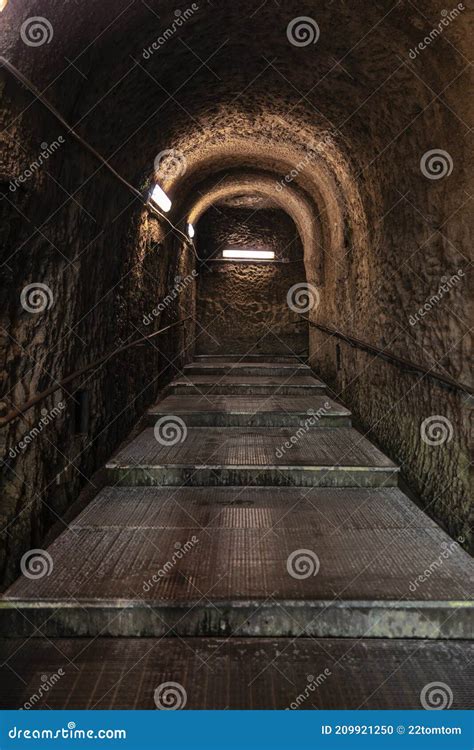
(242, 306)
(236, 400)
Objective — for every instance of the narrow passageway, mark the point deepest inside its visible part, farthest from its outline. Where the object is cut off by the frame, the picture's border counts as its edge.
(242, 306)
(236, 356)
(260, 526)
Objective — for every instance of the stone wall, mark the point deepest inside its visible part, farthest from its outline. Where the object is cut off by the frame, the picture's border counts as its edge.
(99, 265)
(342, 125)
(242, 307)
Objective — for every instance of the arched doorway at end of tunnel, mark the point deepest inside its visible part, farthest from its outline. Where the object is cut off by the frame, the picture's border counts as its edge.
(242, 305)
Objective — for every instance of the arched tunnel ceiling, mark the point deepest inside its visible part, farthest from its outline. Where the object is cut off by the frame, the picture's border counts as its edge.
(247, 200)
(311, 178)
(292, 201)
(232, 70)
(229, 90)
(340, 124)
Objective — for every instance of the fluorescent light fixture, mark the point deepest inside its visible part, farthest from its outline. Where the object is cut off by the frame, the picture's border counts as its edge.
(159, 197)
(191, 231)
(239, 254)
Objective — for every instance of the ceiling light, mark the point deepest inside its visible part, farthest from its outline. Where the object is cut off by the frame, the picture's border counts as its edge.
(239, 254)
(159, 197)
(191, 231)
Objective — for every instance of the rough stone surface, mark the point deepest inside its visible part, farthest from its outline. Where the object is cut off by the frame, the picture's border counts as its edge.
(243, 307)
(347, 119)
(106, 268)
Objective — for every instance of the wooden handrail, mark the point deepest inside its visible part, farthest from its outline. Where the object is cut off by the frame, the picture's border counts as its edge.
(17, 411)
(392, 358)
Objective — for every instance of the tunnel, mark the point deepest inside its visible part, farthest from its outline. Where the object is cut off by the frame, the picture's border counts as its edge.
(236, 349)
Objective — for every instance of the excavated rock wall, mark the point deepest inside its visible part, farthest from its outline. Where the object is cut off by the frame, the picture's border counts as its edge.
(242, 307)
(98, 268)
(347, 119)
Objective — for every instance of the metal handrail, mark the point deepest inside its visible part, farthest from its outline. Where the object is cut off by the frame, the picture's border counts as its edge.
(24, 81)
(19, 410)
(392, 358)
